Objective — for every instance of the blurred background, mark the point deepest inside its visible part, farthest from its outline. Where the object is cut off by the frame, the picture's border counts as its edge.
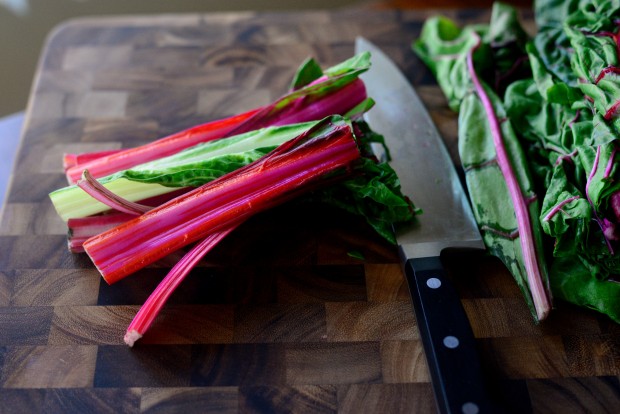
(24, 24)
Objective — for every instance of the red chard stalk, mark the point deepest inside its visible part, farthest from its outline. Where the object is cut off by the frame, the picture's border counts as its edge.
(293, 167)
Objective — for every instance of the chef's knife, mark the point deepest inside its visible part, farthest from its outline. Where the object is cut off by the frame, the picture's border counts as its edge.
(428, 177)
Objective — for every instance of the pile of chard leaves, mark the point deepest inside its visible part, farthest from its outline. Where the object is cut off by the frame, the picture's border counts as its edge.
(556, 99)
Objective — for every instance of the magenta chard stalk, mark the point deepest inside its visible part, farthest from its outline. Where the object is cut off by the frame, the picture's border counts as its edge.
(541, 300)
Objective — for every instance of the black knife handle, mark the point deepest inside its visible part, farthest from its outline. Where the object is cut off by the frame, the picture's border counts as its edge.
(448, 340)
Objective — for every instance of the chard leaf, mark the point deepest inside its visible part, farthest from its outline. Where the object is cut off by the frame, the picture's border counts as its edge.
(374, 193)
(600, 170)
(446, 49)
(555, 12)
(354, 65)
(308, 72)
(574, 283)
(552, 75)
(566, 118)
(341, 82)
(358, 62)
(208, 161)
(553, 48)
(565, 212)
(441, 46)
(489, 193)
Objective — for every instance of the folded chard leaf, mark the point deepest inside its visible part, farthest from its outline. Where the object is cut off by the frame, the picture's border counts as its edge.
(560, 120)
(497, 174)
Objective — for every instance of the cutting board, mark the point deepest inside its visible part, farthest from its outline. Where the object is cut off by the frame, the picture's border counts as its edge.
(303, 308)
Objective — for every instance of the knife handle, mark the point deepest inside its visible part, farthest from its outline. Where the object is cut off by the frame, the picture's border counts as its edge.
(448, 340)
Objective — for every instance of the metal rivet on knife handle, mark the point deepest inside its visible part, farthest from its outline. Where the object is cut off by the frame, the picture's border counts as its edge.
(433, 283)
(451, 342)
(470, 408)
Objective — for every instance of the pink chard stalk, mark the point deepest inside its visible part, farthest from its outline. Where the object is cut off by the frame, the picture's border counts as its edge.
(539, 293)
(209, 213)
(156, 301)
(295, 166)
(100, 193)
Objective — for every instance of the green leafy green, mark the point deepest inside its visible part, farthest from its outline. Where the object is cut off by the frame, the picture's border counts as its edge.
(373, 193)
(499, 55)
(309, 71)
(210, 160)
(560, 123)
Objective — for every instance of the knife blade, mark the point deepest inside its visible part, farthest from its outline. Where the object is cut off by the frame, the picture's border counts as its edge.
(429, 178)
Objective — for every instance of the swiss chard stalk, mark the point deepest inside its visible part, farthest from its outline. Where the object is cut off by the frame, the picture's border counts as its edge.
(326, 150)
(156, 300)
(531, 249)
(70, 160)
(100, 193)
(82, 229)
(101, 165)
(191, 167)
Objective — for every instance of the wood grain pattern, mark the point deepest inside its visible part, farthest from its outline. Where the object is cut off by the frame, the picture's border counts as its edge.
(285, 323)
(47, 366)
(403, 361)
(374, 398)
(186, 399)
